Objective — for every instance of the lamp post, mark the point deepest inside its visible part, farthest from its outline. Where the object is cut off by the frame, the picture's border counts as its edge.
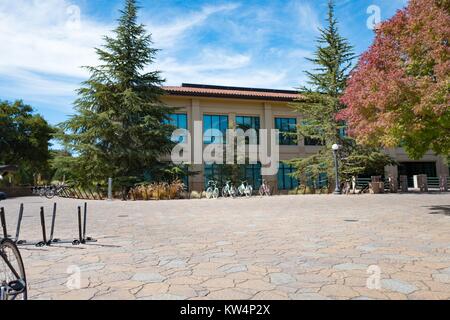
(335, 148)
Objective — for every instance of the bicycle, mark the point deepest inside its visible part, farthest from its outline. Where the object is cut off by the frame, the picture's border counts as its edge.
(13, 283)
(212, 192)
(39, 191)
(55, 191)
(264, 190)
(229, 190)
(245, 189)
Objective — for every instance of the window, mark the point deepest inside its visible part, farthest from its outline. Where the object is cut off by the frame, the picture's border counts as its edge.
(214, 172)
(245, 123)
(343, 129)
(287, 125)
(285, 180)
(253, 175)
(179, 121)
(214, 122)
(186, 177)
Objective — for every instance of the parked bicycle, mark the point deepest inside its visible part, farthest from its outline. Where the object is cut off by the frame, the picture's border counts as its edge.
(245, 189)
(50, 191)
(39, 191)
(212, 192)
(13, 283)
(264, 190)
(229, 190)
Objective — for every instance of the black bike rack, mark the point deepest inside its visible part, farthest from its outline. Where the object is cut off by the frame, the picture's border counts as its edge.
(3, 223)
(82, 235)
(82, 225)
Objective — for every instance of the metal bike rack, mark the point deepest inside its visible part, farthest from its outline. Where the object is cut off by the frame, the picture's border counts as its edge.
(42, 243)
(52, 240)
(82, 226)
(82, 234)
(3, 223)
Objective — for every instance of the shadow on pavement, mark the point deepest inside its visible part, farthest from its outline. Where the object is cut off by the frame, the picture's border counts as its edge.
(445, 210)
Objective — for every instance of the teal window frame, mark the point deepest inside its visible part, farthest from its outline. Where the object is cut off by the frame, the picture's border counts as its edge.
(179, 121)
(218, 122)
(286, 125)
(252, 174)
(213, 172)
(249, 122)
(285, 180)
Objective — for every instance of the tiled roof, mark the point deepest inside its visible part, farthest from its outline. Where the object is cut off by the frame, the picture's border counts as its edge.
(232, 92)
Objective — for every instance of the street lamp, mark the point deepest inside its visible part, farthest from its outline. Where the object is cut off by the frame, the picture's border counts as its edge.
(336, 148)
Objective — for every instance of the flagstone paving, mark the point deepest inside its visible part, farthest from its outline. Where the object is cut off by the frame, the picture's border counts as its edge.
(289, 247)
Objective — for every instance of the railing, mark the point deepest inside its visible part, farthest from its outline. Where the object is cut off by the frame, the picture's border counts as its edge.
(362, 182)
(435, 182)
(82, 193)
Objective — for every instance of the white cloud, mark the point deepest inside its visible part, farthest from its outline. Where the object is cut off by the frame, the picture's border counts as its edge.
(254, 77)
(208, 60)
(167, 35)
(216, 66)
(44, 36)
(307, 17)
(47, 40)
(44, 44)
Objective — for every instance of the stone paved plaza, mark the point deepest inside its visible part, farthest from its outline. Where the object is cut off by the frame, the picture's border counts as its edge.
(288, 247)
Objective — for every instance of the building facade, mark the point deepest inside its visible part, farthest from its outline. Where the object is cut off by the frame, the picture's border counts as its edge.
(220, 108)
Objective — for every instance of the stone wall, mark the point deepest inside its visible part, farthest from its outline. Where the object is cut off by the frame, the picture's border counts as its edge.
(15, 192)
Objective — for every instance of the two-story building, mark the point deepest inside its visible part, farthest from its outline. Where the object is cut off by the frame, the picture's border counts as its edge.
(219, 107)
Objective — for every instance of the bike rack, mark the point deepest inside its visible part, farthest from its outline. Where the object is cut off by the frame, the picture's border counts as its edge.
(3, 223)
(38, 244)
(83, 238)
(82, 226)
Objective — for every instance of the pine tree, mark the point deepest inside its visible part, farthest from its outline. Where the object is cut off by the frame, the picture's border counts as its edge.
(320, 103)
(119, 127)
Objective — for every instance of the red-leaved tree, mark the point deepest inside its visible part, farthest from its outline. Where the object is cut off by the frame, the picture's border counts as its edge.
(399, 93)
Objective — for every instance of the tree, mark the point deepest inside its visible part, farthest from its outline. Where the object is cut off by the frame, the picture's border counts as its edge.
(320, 103)
(119, 129)
(399, 92)
(24, 140)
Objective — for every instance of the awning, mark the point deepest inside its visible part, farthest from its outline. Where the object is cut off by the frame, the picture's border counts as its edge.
(8, 168)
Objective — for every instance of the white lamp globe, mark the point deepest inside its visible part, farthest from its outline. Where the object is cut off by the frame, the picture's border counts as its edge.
(335, 147)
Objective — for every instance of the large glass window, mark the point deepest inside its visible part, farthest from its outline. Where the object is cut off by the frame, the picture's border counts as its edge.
(214, 122)
(214, 172)
(245, 123)
(286, 125)
(179, 121)
(253, 175)
(285, 180)
(343, 129)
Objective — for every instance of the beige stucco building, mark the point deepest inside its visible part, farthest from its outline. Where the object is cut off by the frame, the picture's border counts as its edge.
(224, 107)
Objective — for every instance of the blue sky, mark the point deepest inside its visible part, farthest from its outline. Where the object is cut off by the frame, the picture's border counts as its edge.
(257, 43)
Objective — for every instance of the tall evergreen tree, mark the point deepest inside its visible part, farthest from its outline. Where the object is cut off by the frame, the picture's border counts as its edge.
(119, 127)
(320, 103)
